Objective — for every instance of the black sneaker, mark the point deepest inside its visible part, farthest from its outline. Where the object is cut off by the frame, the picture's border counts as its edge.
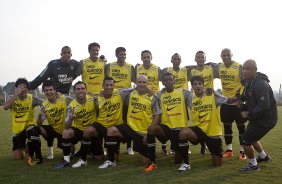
(250, 167)
(265, 159)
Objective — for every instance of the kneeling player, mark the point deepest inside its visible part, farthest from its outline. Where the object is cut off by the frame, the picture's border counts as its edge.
(207, 126)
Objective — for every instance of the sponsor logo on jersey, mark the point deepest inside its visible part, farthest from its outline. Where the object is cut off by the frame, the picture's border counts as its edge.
(93, 77)
(133, 111)
(169, 109)
(200, 117)
(19, 116)
(111, 114)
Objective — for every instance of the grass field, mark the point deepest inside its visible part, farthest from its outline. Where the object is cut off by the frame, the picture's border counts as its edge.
(130, 169)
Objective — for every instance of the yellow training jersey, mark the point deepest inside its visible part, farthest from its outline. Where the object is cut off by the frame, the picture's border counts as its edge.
(121, 75)
(152, 74)
(85, 113)
(205, 115)
(22, 114)
(207, 74)
(140, 113)
(56, 113)
(230, 79)
(110, 110)
(181, 79)
(93, 75)
(174, 109)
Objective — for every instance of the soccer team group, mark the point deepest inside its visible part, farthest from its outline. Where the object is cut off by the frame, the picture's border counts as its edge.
(106, 110)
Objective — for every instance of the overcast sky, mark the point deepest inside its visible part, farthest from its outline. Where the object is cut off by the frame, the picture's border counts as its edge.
(33, 32)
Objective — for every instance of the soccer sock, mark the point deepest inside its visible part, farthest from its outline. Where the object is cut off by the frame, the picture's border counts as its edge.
(37, 148)
(85, 143)
(183, 149)
(111, 144)
(151, 142)
(229, 147)
(253, 161)
(241, 148)
(262, 154)
(30, 148)
(67, 158)
(66, 144)
(50, 149)
(228, 133)
(241, 129)
(128, 145)
(50, 142)
(163, 146)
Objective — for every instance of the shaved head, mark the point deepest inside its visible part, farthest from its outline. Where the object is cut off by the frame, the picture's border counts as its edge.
(249, 69)
(141, 77)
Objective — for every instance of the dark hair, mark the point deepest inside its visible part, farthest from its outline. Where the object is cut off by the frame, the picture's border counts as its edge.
(79, 82)
(94, 44)
(146, 51)
(197, 78)
(22, 81)
(175, 55)
(65, 47)
(48, 83)
(199, 52)
(166, 74)
(120, 49)
(108, 78)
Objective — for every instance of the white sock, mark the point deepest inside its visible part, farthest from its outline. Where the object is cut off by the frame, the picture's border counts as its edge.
(241, 148)
(50, 149)
(229, 147)
(262, 154)
(253, 161)
(67, 158)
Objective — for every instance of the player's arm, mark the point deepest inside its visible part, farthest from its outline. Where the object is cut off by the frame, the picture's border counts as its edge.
(70, 117)
(44, 75)
(188, 98)
(36, 101)
(8, 104)
(156, 111)
(133, 74)
(79, 69)
(41, 117)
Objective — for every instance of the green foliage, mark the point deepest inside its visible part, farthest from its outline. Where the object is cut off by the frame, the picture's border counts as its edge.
(130, 170)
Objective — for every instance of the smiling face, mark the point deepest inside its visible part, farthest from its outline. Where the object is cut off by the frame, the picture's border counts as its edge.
(142, 83)
(80, 91)
(108, 87)
(146, 58)
(121, 56)
(198, 87)
(66, 54)
(50, 93)
(168, 82)
(226, 57)
(200, 59)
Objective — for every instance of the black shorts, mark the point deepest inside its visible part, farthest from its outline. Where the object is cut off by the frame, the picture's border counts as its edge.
(77, 135)
(254, 133)
(230, 113)
(172, 135)
(51, 134)
(213, 143)
(129, 134)
(101, 130)
(19, 140)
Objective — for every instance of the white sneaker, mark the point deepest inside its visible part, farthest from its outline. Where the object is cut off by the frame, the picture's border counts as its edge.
(130, 151)
(189, 152)
(79, 163)
(107, 164)
(50, 154)
(184, 167)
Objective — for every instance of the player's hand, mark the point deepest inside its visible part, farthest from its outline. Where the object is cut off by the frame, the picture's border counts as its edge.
(43, 111)
(102, 93)
(209, 91)
(150, 92)
(72, 114)
(58, 94)
(19, 89)
(90, 93)
(244, 114)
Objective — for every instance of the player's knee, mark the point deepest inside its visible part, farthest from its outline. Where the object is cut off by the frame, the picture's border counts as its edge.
(67, 134)
(88, 132)
(112, 131)
(34, 131)
(184, 134)
(152, 129)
